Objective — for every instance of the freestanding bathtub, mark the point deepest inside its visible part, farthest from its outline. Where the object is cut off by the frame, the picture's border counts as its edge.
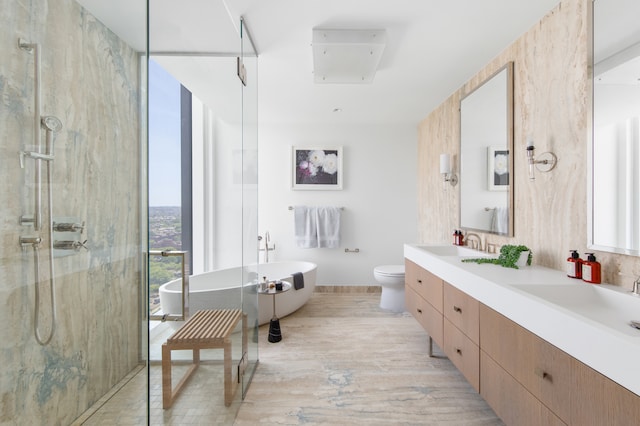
(219, 289)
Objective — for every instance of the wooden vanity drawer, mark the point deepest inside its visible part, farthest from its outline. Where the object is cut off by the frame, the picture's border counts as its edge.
(427, 315)
(598, 400)
(509, 399)
(540, 367)
(463, 353)
(424, 283)
(463, 311)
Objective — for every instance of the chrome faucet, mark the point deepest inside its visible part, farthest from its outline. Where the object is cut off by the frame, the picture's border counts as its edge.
(477, 244)
(636, 287)
(266, 249)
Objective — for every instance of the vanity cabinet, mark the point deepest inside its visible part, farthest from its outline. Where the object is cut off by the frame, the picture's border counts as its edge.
(461, 332)
(523, 377)
(423, 298)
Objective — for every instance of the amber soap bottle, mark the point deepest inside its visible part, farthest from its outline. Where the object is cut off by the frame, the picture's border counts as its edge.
(591, 270)
(574, 265)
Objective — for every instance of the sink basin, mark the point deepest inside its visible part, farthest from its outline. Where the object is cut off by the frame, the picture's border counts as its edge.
(452, 250)
(613, 308)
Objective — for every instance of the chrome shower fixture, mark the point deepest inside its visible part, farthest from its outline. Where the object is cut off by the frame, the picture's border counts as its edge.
(68, 227)
(70, 245)
(51, 123)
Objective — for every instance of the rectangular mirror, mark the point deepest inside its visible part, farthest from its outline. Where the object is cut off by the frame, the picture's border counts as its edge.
(486, 166)
(614, 160)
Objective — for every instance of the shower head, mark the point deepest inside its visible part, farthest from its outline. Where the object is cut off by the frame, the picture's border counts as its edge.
(51, 123)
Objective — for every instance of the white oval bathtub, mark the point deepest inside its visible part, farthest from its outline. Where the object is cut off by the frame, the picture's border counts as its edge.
(219, 289)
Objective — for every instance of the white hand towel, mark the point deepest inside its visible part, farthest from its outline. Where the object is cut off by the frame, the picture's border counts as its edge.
(328, 223)
(306, 230)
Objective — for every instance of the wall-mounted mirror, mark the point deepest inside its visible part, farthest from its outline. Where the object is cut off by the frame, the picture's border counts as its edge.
(614, 161)
(486, 166)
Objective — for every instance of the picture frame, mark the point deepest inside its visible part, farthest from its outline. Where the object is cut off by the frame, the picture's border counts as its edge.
(498, 169)
(316, 168)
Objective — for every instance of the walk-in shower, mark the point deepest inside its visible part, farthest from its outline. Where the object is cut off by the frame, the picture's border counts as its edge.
(74, 172)
(72, 194)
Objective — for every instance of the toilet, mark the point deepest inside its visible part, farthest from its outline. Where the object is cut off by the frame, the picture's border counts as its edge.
(391, 279)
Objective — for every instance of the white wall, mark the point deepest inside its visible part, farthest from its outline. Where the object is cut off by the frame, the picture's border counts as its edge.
(378, 196)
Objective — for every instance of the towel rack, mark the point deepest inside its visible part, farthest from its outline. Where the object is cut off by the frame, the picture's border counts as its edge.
(486, 209)
(291, 208)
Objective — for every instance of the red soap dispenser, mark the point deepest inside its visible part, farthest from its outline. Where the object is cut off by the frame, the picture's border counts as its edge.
(591, 270)
(457, 237)
(574, 265)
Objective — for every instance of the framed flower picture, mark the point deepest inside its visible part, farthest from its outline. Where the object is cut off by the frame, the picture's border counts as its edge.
(317, 168)
(498, 168)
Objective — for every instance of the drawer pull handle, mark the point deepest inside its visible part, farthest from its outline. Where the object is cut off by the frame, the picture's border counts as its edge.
(457, 309)
(543, 374)
(419, 310)
(419, 281)
(459, 351)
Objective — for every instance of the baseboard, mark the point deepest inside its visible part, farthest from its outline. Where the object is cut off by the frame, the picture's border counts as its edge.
(348, 289)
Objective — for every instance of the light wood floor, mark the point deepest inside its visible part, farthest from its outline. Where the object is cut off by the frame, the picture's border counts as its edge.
(342, 361)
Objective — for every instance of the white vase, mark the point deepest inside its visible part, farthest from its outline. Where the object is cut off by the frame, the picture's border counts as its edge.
(522, 260)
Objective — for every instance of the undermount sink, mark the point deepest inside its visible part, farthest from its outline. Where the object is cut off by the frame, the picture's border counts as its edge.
(611, 307)
(458, 251)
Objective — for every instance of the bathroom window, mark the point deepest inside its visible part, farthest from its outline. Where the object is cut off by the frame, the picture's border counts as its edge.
(169, 176)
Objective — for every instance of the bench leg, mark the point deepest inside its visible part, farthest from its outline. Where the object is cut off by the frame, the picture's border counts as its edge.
(228, 382)
(245, 335)
(166, 377)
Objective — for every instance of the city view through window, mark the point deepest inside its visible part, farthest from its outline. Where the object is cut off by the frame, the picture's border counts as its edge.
(165, 230)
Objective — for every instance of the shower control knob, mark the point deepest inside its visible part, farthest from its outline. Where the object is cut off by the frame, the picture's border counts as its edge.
(68, 227)
(34, 241)
(70, 245)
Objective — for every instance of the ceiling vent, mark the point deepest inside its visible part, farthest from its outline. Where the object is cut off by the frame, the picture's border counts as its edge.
(346, 56)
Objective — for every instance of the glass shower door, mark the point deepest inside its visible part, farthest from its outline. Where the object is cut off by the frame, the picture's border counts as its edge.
(249, 72)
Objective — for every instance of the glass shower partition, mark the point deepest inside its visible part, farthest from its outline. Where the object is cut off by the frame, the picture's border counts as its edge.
(206, 53)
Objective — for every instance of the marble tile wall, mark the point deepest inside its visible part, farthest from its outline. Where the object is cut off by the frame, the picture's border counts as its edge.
(90, 82)
(552, 86)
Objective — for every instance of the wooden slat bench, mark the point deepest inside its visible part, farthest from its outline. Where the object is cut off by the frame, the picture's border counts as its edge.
(207, 329)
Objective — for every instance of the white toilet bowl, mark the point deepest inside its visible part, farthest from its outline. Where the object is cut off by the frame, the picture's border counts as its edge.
(391, 279)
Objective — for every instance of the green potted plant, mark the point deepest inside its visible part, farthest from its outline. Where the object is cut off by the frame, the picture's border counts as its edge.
(508, 258)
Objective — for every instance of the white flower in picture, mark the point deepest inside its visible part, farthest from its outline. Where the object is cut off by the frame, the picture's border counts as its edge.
(312, 168)
(500, 165)
(316, 157)
(330, 164)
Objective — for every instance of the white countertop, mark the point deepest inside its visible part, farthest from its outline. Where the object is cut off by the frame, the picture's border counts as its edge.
(592, 329)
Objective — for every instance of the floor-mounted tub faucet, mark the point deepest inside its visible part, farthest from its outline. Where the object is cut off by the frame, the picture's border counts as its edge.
(267, 248)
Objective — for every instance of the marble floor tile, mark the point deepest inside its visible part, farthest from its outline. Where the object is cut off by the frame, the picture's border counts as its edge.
(342, 361)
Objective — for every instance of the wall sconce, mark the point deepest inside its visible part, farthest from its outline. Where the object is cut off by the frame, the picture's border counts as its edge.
(445, 170)
(544, 163)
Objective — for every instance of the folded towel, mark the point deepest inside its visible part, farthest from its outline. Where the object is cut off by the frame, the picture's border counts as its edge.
(298, 280)
(328, 223)
(306, 230)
